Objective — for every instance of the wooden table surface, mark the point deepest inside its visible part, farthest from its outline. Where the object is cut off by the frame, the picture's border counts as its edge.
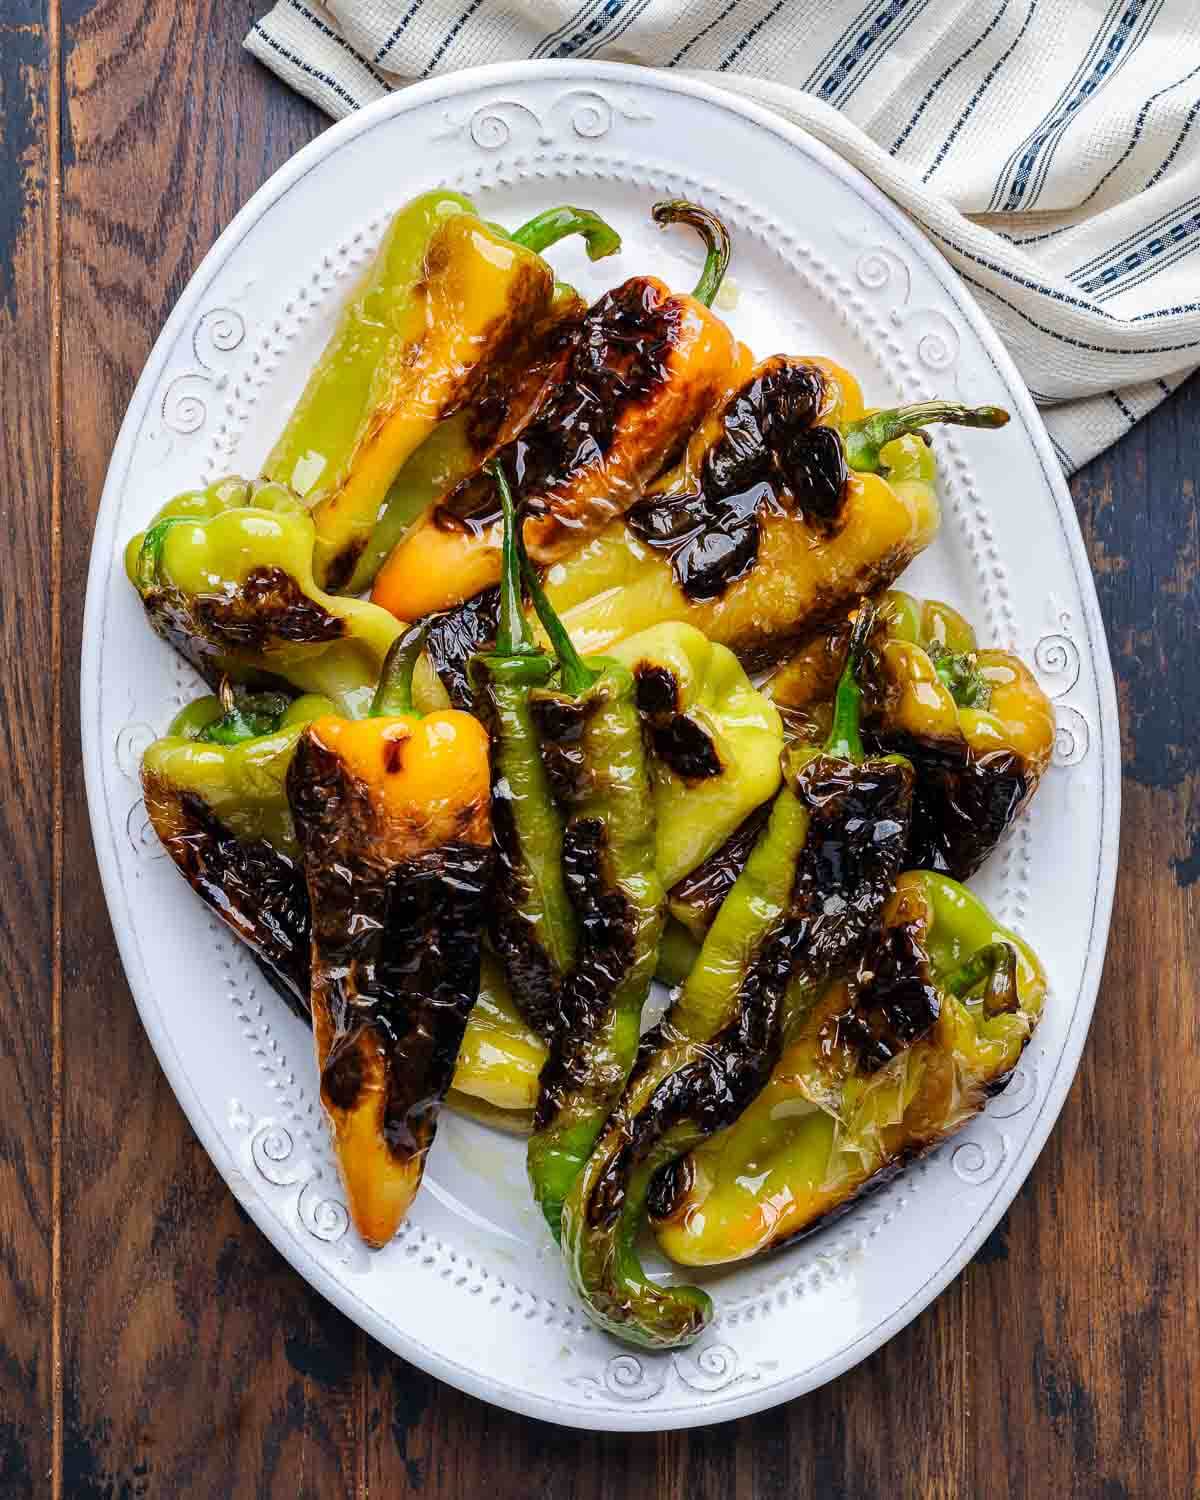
(152, 1343)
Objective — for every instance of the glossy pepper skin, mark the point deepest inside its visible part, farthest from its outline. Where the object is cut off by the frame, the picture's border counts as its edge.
(392, 818)
(767, 529)
(214, 792)
(836, 830)
(715, 741)
(882, 1067)
(445, 295)
(974, 722)
(225, 575)
(644, 365)
(591, 743)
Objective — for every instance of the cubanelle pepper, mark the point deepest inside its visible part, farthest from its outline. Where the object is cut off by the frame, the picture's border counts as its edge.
(446, 296)
(803, 908)
(787, 509)
(225, 575)
(887, 1063)
(642, 367)
(214, 793)
(392, 818)
(975, 723)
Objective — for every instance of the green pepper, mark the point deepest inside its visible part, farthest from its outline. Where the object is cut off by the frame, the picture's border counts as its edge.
(591, 744)
(214, 792)
(533, 926)
(803, 908)
(445, 295)
(225, 575)
(715, 741)
(766, 525)
(886, 1064)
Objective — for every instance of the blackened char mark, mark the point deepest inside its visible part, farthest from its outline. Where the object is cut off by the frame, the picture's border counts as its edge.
(395, 944)
(964, 801)
(895, 1006)
(257, 892)
(678, 740)
(704, 890)
(620, 357)
(533, 976)
(858, 832)
(455, 636)
(560, 722)
(769, 456)
(605, 953)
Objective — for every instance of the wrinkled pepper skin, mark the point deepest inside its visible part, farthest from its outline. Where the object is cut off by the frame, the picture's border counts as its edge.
(445, 295)
(803, 908)
(225, 575)
(392, 817)
(592, 749)
(642, 369)
(218, 805)
(880, 1069)
(974, 722)
(509, 391)
(715, 742)
(769, 532)
(694, 900)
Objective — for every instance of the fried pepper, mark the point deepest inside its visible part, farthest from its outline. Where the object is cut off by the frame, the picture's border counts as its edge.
(777, 522)
(642, 368)
(591, 741)
(975, 724)
(392, 818)
(886, 1064)
(225, 575)
(445, 296)
(804, 907)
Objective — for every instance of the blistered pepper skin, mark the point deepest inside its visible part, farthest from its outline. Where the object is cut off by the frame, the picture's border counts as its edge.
(879, 1070)
(803, 908)
(445, 296)
(975, 723)
(644, 366)
(225, 574)
(392, 818)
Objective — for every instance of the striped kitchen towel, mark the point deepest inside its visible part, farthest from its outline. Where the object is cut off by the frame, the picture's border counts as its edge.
(1049, 147)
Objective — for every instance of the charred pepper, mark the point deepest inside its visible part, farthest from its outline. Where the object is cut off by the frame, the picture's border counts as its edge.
(225, 575)
(392, 818)
(885, 1065)
(591, 740)
(445, 295)
(779, 523)
(642, 368)
(804, 907)
(715, 741)
(976, 725)
(214, 792)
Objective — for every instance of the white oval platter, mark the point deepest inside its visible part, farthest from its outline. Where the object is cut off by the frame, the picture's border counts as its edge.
(471, 1289)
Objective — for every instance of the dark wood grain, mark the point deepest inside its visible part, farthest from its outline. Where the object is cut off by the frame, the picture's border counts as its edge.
(27, 732)
(194, 1362)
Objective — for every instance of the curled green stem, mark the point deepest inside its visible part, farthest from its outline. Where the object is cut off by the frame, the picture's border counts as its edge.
(845, 736)
(554, 224)
(863, 439)
(394, 694)
(994, 966)
(576, 675)
(711, 230)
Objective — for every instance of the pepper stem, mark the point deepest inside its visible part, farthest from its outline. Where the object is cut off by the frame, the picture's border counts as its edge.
(576, 675)
(863, 439)
(845, 737)
(995, 963)
(554, 224)
(711, 231)
(394, 693)
(513, 636)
